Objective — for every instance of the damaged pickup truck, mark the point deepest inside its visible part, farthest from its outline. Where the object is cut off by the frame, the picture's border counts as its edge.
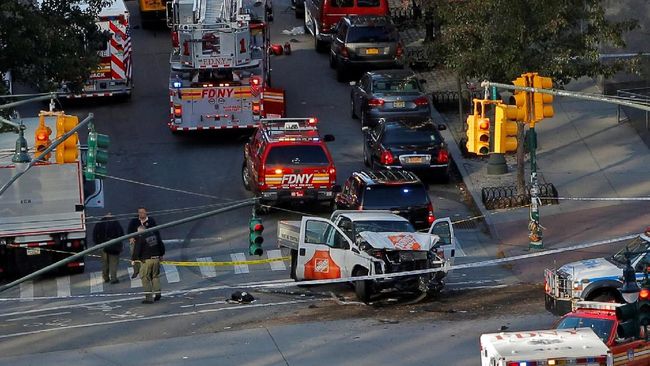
(361, 243)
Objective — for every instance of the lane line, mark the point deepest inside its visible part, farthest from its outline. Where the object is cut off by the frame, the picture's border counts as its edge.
(207, 272)
(240, 268)
(27, 291)
(276, 266)
(37, 316)
(135, 282)
(219, 302)
(171, 273)
(96, 282)
(63, 286)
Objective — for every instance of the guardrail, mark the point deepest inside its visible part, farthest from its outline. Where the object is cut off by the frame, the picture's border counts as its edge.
(507, 196)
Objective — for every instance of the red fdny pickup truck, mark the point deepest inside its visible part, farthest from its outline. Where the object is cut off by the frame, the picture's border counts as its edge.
(601, 318)
(286, 160)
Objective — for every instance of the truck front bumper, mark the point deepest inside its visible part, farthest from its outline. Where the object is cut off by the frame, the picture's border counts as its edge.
(283, 196)
(557, 306)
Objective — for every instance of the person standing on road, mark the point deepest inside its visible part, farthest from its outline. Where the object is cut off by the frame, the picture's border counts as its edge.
(106, 229)
(145, 220)
(149, 250)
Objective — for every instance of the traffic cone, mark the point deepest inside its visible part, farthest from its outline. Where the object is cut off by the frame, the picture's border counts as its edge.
(287, 48)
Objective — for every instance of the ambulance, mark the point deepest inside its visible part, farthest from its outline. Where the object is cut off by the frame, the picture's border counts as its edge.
(552, 347)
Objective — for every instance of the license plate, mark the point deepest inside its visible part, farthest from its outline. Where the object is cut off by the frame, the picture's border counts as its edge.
(33, 251)
(399, 104)
(372, 51)
(298, 194)
(416, 160)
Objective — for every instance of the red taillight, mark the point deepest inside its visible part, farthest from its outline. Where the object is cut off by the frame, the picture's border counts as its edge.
(443, 156)
(399, 51)
(421, 101)
(386, 157)
(178, 110)
(312, 121)
(186, 48)
(430, 218)
(76, 243)
(375, 102)
(256, 108)
(344, 52)
(644, 294)
(256, 80)
(175, 39)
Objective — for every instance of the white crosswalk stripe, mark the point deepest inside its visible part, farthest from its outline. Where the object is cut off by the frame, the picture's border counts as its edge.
(171, 273)
(207, 271)
(27, 291)
(278, 265)
(63, 286)
(135, 282)
(96, 282)
(240, 268)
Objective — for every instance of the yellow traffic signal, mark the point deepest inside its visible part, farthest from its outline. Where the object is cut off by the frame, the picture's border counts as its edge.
(67, 151)
(42, 138)
(505, 128)
(522, 98)
(482, 136)
(472, 119)
(542, 103)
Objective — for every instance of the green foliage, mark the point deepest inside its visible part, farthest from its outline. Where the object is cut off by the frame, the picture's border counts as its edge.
(498, 40)
(48, 43)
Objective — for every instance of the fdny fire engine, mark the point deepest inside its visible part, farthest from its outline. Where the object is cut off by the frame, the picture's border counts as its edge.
(220, 65)
(287, 160)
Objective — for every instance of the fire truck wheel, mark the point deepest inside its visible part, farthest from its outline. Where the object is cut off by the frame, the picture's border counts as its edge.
(363, 289)
(352, 113)
(245, 177)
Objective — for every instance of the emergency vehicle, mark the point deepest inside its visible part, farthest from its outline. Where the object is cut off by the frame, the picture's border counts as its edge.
(220, 67)
(596, 279)
(42, 214)
(152, 11)
(601, 318)
(287, 160)
(113, 76)
(579, 346)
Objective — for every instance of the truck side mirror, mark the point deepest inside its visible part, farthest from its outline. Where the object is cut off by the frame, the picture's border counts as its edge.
(328, 138)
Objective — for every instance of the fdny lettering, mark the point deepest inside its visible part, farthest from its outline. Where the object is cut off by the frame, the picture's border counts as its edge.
(297, 178)
(217, 93)
(543, 333)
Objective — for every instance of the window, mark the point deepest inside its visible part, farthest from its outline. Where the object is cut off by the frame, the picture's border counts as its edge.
(443, 230)
(602, 327)
(372, 34)
(322, 232)
(342, 3)
(342, 29)
(377, 226)
(399, 134)
(409, 85)
(297, 155)
(391, 196)
(367, 3)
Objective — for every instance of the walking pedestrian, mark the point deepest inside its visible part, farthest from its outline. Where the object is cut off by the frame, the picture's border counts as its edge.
(149, 250)
(143, 219)
(106, 229)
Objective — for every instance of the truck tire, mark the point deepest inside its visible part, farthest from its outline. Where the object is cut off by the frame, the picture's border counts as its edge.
(294, 263)
(245, 177)
(363, 289)
(604, 295)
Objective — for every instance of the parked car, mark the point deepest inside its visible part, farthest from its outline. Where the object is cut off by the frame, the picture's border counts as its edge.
(388, 93)
(399, 191)
(321, 16)
(412, 144)
(365, 43)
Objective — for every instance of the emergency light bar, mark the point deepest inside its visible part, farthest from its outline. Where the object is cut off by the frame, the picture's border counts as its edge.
(597, 305)
(290, 124)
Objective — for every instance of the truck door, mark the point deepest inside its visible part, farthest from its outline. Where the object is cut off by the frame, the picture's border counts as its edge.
(322, 250)
(445, 230)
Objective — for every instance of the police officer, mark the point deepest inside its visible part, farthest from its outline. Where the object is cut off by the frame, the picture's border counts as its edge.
(106, 229)
(149, 250)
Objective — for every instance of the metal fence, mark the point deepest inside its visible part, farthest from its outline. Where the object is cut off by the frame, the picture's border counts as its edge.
(448, 100)
(639, 119)
(508, 197)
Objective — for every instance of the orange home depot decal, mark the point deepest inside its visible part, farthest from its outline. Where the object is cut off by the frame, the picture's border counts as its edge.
(404, 242)
(321, 266)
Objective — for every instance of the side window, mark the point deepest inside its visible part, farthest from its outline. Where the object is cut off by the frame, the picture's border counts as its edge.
(342, 3)
(356, 191)
(365, 83)
(345, 225)
(346, 188)
(342, 30)
(367, 3)
(320, 232)
(643, 263)
(443, 231)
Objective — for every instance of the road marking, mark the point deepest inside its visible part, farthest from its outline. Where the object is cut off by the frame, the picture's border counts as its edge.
(219, 302)
(96, 282)
(171, 273)
(63, 286)
(135, 282)
(276, 266)
(37, 316)
(27, 291)
(207, 272)
(240, 268)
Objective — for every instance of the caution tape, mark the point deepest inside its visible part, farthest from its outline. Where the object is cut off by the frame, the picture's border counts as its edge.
(222, 264)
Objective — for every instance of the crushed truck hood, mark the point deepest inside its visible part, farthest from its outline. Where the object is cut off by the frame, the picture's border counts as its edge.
(591, 268)
(400, 240)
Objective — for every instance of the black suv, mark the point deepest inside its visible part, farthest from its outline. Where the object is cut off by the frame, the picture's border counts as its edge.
(399, 191)
(365, 42)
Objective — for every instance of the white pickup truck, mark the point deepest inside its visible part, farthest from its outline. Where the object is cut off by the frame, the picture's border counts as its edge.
(361, 243)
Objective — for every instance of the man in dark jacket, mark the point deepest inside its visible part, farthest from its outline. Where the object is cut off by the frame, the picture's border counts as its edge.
(149, 250)
(106, 229)
(147, 221)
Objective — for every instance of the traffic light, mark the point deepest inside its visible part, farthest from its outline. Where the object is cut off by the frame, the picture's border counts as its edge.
(255, 245)
(42, 138)
(522, 98)
(97, 157)
(542, 103)
(68, 150)
(644, 306)
(478, 134)
(505, 128)
(472, 120)
(628, 321)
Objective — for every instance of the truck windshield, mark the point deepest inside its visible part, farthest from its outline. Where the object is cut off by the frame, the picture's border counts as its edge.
(602, 327)
(383, 226)
(297, 155)
(636, 245)
(394, 196)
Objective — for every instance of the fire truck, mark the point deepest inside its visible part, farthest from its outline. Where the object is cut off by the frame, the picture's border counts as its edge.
(42, 214)
(113, 75)
(220, 66)
(601, 318)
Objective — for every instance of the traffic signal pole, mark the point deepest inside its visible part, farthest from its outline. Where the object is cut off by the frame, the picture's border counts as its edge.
(496, 162)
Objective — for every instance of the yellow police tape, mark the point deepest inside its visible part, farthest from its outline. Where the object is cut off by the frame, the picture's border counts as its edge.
(219, 264)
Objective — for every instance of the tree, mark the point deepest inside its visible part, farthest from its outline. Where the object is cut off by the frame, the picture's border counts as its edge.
(49, 41)
(498, 40)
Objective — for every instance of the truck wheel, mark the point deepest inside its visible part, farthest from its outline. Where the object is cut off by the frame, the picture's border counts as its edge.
(294, 263)
(363, 289)
(245, 177)
(606, 295)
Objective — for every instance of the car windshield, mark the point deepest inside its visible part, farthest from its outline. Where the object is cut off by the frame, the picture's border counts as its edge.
(602, 327)
(297, 155)
(409, 85)
(372, 34)
(394, 196)
(380, 226)
(636, 245)
(399, 134)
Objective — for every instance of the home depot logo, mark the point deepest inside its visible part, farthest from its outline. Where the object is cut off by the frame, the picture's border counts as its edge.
(404, 242)
(322, 265)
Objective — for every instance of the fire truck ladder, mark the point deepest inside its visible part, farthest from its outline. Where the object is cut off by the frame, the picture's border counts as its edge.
(217, 11)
